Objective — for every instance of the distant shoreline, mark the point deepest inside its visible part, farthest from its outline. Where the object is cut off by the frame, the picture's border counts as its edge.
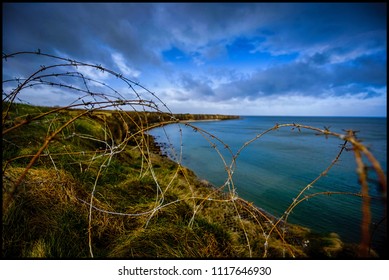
(208, 120)
(204, 117)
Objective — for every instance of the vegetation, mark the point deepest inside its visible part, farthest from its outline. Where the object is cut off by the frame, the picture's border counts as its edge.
(144, 205)
(83, 181)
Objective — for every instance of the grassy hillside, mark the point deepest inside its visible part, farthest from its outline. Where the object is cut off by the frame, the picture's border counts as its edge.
(81, 184)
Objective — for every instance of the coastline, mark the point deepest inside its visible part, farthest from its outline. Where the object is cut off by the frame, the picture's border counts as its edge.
(257, 214)
(192, 121)
(203, 220)
(159, 148)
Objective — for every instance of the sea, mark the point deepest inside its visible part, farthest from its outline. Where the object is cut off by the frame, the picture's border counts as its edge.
(271, 168)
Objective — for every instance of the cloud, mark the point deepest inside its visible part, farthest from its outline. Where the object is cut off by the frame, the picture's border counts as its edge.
(280, 80)
(288, 105)
(52, 96)
(212, 52)
(193, 25)
(309, 80)
(200, 87)
(305, 27)
(124, 68)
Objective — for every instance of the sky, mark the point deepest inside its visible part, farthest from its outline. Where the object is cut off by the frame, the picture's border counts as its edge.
(285, 59)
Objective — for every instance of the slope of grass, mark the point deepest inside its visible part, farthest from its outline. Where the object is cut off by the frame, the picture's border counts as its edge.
(143, 204)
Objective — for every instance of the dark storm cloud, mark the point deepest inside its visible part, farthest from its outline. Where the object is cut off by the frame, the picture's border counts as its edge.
(138, 30)
(32, 26)
(82, 31)
(142, 31)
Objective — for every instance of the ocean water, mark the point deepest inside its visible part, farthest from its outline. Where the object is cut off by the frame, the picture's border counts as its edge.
(273, 169)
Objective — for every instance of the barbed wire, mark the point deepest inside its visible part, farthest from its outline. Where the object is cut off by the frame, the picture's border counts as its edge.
(93, 97)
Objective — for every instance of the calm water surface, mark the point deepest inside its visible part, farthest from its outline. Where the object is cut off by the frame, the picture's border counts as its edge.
(272, 170)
